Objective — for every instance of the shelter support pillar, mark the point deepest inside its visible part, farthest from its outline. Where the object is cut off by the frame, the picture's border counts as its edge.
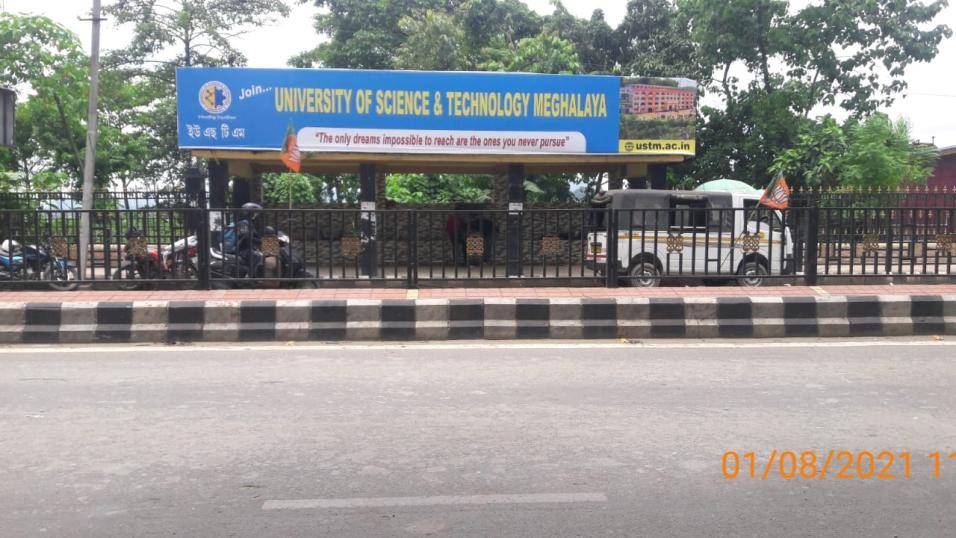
(658, 175)
(516, 179)
(368, 187)
(380, 179)
(241, 191)
(499, 190)
(218, 184)
(243, 180)
(636, 176)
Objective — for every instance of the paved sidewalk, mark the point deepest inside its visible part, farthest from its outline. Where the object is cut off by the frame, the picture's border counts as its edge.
(473, 293)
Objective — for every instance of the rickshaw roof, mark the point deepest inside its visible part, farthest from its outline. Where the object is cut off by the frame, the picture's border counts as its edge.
(661, 199)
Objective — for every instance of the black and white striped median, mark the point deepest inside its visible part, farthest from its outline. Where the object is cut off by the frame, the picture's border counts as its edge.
(492, 318)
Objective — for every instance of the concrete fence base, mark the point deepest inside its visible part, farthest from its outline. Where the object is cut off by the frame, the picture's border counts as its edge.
(444, 319)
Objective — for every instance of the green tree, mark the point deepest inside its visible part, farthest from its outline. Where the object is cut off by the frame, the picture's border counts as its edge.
(771, 67)
(874, 153)
(487, 20)
(437, 188)
(178, 33)
(287, 189)
(363, 34)
(434, 42)
(741, 140)
(816, 158)
(545, 53)
(854, 53)
(656, 42)
(184, 33)
(441, 34)
(597, 44)
(47, 59)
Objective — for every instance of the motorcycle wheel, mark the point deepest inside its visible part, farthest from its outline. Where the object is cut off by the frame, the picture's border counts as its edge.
(62, 278)
(184, 270)
(126, 279)
(271, 269)
(306, 284)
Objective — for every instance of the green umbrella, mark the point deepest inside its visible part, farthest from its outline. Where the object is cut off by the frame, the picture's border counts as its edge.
(728, 185)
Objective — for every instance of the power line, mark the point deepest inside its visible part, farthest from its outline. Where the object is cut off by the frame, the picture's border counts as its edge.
(947, 95)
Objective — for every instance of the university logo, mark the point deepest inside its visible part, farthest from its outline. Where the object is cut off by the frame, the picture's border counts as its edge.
(215, 97)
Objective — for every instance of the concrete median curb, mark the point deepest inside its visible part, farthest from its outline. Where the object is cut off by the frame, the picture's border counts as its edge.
(491, 318)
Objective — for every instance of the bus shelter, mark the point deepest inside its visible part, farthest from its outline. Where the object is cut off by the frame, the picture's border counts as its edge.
(374, 123)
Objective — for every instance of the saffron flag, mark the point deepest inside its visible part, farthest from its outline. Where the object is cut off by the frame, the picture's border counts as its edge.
(777, 195)
(290, 151)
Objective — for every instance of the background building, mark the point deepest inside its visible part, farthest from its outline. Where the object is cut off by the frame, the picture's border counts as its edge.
(945, 173)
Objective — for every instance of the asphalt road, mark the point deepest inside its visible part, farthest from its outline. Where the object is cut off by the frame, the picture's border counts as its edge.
(461, 440)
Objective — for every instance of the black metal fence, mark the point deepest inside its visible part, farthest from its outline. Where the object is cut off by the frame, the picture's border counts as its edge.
(882, 241)
(914, 197)
(408, 247)
(117, 239)
(176, 243)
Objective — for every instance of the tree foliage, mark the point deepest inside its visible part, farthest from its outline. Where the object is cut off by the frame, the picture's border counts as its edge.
(434, 42)
(437, 188)
(178, 33)
(545, 53)
(46, 59)
(288, 189)
(875, 153)
(655, 41)
(183, 33)
(772, 65)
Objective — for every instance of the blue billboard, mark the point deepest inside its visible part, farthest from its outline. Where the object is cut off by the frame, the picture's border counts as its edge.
(333, 110)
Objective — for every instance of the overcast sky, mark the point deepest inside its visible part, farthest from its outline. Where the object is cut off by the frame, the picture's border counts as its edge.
(929, 106)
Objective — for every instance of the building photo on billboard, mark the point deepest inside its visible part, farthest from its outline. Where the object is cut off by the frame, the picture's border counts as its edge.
(657, 115)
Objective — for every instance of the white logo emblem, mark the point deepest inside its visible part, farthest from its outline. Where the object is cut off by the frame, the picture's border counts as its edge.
(215, 97)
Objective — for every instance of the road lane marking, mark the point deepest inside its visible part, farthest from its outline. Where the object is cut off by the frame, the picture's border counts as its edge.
(439, 346)
(440, 500)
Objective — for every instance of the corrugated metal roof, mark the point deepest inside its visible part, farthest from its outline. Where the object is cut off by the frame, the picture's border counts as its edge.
(947, 151)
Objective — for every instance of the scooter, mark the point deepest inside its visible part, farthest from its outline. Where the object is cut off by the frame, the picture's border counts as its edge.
(243, 269)
(288, 263)
(33, 262)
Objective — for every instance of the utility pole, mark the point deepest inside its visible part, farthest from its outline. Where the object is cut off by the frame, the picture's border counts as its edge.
(89, 166)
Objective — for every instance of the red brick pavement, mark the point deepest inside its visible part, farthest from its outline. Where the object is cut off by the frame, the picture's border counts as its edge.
(472, 293)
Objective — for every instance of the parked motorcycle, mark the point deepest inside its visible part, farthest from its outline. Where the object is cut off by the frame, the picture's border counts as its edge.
(180, 259)
(34, 262)
(143, 265)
